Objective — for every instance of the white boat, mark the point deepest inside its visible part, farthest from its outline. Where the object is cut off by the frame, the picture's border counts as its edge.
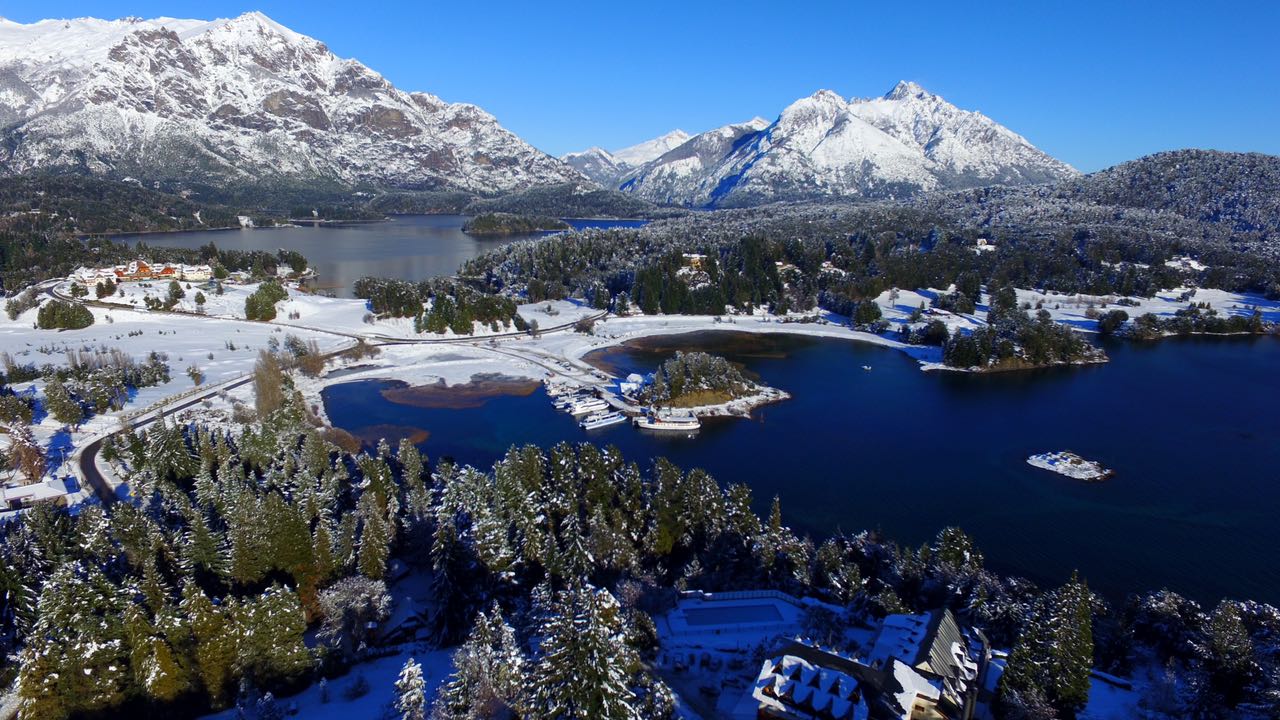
(590, 405)
(563, 403)
(676, 420)
(867, 368)
(602, 419)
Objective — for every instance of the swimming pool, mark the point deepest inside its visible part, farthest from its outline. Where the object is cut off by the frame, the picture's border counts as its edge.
(732, 615)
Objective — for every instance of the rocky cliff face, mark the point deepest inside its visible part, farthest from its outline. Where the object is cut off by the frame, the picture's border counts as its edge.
(240, 100)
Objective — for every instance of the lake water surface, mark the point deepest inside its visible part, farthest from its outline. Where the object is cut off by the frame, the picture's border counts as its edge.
(406, 247)
(1188, 425)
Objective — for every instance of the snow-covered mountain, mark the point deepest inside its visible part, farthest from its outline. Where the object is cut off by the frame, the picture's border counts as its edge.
(907, 141)
(598, 164)
(607, 168)
(239, 100)
(641, 153)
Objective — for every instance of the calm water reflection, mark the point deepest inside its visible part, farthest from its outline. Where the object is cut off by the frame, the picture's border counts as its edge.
(406, 247)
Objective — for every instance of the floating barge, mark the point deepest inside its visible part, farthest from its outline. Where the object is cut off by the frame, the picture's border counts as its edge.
(1070, 465)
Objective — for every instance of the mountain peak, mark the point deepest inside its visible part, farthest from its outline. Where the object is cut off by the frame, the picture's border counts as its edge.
(641, 153)
(905, 89)
(255, 21)
(236, 100)
(825, 96)
(823, 145)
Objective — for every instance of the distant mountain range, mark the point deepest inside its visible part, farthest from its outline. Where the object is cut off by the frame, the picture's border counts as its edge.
(905, 142)
(244, 101)
(247, 102)
(607, 168)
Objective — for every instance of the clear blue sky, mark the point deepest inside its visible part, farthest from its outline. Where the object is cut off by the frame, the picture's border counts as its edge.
(1093, 83)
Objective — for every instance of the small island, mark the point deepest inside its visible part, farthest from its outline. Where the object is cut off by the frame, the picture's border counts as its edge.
(1070, 465)
(706, 386)
(499, 223)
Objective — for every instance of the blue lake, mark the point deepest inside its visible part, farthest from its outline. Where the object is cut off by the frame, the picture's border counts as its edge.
(405, 247)
(1188, 425)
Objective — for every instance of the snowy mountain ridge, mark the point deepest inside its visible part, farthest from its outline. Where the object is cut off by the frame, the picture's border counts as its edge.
(607, 168)
(238, 100)
(641, 153)
(906, 141)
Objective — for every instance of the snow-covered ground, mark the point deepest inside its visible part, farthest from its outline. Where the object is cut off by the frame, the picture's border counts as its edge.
(1073, 309)
(346, 316)
(380, 675)
(222, 350)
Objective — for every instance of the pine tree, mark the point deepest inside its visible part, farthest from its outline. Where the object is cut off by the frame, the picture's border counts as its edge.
(585, 665)
(215, 643)
(60, 404)
(375, 538)
(76, 660)
(489, 677)
(1231, 650)
(351, 608)
(1073, 645)
(246, 536)
(158, 671)
(271, 647)
(1054, 653)
(25, 454)
(411, 699)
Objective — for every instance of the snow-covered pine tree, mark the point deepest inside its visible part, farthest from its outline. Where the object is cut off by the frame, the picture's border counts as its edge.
(58, 401)
(375, 537)
(575, 558)
(1072, 625)
(1054, 653)
(158, 671)
(271, 647)
(1231, 649)
(215, 643)
(167, 453)
(489, 677)
(77, 656)
(584, 667)
(202, 548)
(411, 687)
(248, 555)
(349, 608)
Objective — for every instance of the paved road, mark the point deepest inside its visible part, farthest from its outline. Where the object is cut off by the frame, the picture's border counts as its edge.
(89, 455)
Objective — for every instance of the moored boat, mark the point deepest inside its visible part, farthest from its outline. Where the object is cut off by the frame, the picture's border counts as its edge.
(586, 406)
(666, 419)
(602, 419)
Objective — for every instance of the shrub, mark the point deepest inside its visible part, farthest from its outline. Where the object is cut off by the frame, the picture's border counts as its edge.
(261, 305)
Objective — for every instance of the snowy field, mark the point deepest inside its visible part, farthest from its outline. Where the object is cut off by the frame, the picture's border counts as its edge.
(222, 350)
(1071, 309)
(336, 315)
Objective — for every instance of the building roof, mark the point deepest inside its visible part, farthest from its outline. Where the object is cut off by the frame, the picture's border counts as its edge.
(932, 643)
(804, 681)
